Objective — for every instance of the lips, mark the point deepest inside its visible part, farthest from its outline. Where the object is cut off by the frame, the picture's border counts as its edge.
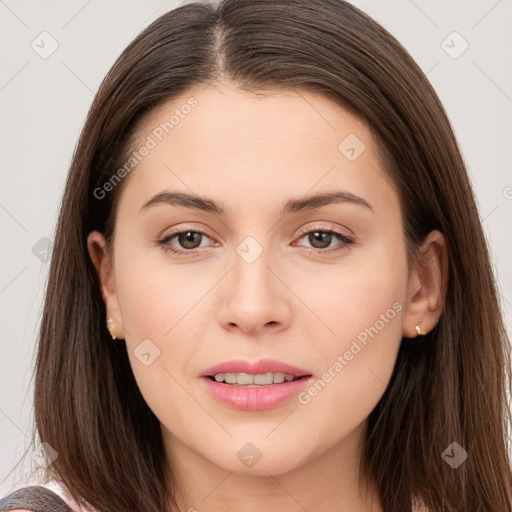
(257, 367)
(263, 394)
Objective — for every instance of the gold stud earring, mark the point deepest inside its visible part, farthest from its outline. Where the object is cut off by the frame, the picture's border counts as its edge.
(418, 329)
(110, 326)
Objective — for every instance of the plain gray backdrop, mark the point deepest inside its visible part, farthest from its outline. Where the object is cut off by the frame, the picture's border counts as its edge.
(54, 55)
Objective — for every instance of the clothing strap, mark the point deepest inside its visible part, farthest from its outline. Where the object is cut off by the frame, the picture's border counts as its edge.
(35, 498)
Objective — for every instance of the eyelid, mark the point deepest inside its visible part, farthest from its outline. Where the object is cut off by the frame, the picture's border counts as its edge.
(304, 230)
(331, 227)
(185, 227)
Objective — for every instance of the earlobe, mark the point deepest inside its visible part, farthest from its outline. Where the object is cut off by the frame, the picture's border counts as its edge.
(428, 284)
(104, 269)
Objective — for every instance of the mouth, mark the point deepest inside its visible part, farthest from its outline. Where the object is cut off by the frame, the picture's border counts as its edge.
(255, 380)
(254, 392)
(254, 386)
(260, 373)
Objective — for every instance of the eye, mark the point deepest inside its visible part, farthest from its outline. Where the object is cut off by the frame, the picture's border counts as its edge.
(321, 240)
(188, 240)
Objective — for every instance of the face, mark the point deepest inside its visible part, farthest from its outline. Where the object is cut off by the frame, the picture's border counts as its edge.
(260, 272)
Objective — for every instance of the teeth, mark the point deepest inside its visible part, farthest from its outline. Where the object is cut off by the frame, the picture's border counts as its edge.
(248, 379)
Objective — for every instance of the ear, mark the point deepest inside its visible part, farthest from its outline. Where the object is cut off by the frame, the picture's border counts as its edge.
(104, 269)
(427, 286)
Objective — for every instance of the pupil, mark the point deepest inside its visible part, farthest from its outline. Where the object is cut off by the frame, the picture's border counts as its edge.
(188, 239)
(320, 236)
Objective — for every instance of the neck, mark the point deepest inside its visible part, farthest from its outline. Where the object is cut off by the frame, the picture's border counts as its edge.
(326, 482)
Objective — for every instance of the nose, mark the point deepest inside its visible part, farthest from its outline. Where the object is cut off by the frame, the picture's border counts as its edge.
(254, 300)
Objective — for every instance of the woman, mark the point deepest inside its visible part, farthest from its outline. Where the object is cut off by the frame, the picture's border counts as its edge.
(270, 287)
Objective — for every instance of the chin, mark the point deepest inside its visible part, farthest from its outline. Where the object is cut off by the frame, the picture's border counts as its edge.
(247, 459)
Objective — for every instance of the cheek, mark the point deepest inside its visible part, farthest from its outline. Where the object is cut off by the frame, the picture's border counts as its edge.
(362, 306)
(155, 296)
(157, 307)
(365, 290)
(162, 309)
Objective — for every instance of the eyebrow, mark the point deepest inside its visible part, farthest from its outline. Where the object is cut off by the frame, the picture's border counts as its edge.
(293, 205)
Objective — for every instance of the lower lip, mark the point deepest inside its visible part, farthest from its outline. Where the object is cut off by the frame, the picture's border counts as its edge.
(254, 398)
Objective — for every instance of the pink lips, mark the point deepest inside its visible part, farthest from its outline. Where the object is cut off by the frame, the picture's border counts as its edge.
(255, 398)
(261, 366)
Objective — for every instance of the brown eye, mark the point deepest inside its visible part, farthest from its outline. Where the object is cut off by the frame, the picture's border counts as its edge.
(320, 239)
(189, 239)
(184, 242)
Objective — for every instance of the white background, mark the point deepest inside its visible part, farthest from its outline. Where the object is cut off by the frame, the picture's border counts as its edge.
(44, 103)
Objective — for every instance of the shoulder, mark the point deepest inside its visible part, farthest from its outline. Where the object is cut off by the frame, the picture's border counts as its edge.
(34, 498)
(39, 497)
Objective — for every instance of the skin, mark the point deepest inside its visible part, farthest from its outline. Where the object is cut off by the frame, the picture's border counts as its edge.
(251, 153)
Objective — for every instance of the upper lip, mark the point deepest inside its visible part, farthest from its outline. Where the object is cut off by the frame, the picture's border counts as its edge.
(255, 367)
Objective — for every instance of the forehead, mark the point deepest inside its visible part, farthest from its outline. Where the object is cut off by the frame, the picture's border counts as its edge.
(220, 110)
(222, 139)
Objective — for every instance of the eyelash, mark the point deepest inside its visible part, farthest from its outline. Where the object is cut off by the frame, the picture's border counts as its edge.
(323, 252)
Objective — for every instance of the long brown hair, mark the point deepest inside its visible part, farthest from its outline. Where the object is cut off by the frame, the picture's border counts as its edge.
(450, 387)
